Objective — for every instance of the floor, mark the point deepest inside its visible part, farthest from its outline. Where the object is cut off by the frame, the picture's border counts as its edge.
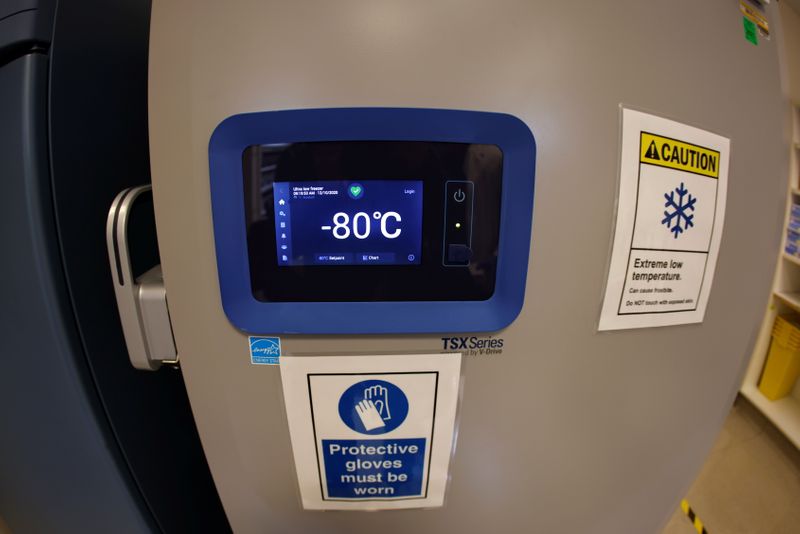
(750, 483)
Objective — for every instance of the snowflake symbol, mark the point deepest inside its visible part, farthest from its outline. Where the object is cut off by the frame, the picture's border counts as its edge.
(679, 211)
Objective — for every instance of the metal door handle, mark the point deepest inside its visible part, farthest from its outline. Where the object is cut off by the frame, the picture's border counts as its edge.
(142, 302)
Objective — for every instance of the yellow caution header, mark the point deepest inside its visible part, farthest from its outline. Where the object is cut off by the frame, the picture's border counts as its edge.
(674, 154)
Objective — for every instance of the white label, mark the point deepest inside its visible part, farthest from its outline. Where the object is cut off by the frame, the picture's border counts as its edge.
(671, 208)
(371, 432)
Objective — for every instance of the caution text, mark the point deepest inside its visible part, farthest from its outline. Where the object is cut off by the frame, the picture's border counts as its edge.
(674, 154)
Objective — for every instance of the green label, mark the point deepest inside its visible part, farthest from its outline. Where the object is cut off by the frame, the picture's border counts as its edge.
(750, 32)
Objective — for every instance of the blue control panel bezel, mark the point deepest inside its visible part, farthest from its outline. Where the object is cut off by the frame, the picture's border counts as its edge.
(233, 135)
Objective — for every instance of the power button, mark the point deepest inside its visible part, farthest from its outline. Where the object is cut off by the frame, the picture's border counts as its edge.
(459, 200)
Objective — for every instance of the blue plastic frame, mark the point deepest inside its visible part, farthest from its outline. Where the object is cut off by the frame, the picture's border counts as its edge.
(245, 312)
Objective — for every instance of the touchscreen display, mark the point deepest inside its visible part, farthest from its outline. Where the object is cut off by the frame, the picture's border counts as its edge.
(364, 222)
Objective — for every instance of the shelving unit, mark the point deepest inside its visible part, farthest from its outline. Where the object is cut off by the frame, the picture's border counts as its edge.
(784, 413)
(793, 259)
(790, 298)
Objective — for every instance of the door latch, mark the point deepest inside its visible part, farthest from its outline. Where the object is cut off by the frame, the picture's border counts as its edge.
(142, 301)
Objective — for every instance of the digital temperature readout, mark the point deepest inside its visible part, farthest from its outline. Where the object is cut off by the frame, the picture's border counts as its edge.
(370, 222)
(341, 228)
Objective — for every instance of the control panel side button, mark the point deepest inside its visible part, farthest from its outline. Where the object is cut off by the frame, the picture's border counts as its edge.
(459, 253)
(457, 236)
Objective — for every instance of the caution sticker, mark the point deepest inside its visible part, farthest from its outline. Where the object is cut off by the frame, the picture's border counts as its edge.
(674, 154)
(671, 208)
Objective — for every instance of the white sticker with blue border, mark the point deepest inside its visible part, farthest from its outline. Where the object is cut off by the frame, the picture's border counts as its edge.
(265, 350)
(372, 432)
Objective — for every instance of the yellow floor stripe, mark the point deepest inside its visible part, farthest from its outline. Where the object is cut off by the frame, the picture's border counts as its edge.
(698, 525)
